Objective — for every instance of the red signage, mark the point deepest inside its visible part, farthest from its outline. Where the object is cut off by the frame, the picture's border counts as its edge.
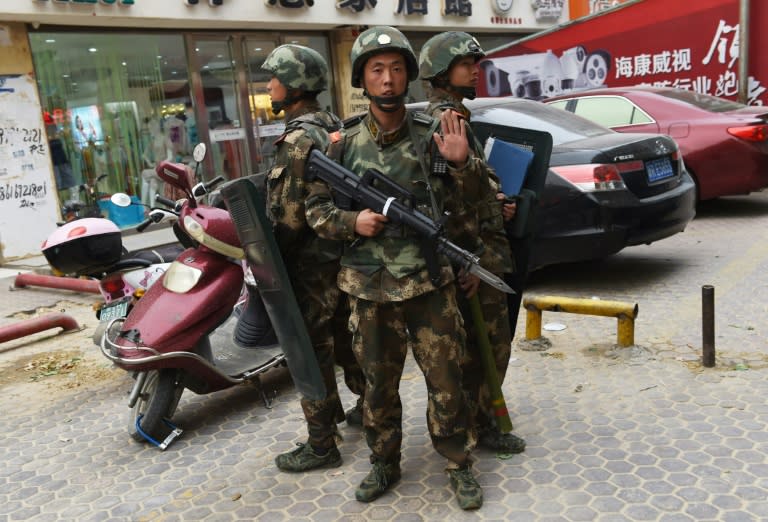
(673, 43)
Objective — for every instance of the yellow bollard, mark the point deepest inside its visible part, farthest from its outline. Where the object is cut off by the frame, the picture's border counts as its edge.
(624, 312)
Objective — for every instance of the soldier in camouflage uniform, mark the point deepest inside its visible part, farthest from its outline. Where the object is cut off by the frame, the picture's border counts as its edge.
(298, 75)
(448, 61)
(393, 299)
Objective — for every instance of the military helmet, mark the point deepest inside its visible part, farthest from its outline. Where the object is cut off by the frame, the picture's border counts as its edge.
(298, 67)
(441, 50)
(377, 40)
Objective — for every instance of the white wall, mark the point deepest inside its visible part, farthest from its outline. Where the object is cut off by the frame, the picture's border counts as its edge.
(256, 15)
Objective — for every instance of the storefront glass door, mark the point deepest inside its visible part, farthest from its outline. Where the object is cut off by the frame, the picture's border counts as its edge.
(217, 90)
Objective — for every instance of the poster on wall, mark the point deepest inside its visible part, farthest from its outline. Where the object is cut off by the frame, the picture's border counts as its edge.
(28, 210)
(663, 43)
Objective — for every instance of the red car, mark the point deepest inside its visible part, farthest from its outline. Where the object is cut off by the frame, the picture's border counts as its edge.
(724, 144)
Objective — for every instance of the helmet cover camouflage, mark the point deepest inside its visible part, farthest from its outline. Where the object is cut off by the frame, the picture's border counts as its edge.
(376, 40)
(439, 52)
(298, 67)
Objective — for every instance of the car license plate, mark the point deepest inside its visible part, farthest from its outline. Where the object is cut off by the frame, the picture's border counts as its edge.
(114, 310)
(659, 169)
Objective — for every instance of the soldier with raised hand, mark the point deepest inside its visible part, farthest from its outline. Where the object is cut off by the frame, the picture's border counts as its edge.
(394, 301)
(448, 61)
(299, 74)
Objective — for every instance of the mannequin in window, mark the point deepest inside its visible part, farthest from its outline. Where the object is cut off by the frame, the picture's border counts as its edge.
(190, 125)
(62, 169)
(159, 149)
(176, 132)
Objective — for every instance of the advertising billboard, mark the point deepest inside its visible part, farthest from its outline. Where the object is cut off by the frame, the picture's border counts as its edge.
(86, 125)
(669, 43)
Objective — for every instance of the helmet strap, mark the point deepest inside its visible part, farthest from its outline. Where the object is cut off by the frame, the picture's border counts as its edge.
(387, 103)
(441, 82)
(469, 93)
(292, 96)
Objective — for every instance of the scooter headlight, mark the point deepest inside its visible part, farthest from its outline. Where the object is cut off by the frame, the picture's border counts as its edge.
(181, 278)
(197, 232)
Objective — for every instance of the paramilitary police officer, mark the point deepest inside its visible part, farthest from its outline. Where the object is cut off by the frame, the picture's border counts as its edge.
(449, 62)
(299, 74)
(393, 300)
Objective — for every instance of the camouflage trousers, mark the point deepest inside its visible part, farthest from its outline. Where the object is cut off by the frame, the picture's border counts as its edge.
(382, 332)
(493, 304)
(325, 313)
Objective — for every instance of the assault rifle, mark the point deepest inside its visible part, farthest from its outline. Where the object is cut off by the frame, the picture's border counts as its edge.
(363, 191)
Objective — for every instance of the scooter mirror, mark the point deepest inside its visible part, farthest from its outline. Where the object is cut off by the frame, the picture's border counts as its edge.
(198, 153)
(121, 199)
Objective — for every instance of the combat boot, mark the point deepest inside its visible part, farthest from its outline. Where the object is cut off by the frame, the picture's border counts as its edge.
(493, 439)
(381, 477)
(304, 458)
(354, 416)
(469, 494)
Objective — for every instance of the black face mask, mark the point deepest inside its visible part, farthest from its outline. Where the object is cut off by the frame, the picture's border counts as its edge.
(387, 103)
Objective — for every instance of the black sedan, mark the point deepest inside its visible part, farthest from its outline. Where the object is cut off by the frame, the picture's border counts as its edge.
(603, 191)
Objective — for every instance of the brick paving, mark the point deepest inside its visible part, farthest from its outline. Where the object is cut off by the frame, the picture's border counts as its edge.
(614, 434)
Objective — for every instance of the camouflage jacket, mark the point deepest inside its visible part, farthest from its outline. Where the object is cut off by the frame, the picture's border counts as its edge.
(390, 266)
(287, 190)
(480, 227)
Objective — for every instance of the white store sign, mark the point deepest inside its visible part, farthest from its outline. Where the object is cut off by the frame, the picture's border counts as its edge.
(28, 212)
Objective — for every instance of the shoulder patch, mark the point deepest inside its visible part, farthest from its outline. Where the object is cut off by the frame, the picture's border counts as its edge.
(353, 120)
(423, 118)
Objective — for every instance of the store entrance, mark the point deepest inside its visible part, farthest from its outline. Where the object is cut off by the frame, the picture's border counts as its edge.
(231, 106)
(217, 96)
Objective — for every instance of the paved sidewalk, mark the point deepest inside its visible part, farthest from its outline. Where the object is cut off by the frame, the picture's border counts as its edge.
(639, 433)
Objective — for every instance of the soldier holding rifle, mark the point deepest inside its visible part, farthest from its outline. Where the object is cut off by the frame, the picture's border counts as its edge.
(396, 300)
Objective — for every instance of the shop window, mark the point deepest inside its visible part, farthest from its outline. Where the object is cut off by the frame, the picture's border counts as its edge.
(118, 104)
(268, 125)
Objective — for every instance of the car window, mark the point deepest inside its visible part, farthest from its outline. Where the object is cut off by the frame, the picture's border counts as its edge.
(562, 125)
(560, 104)
(702, 101)
(611, 111)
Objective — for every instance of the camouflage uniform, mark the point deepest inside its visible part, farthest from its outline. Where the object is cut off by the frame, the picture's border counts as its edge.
(393, 301)
(478, 228)
(312, 262)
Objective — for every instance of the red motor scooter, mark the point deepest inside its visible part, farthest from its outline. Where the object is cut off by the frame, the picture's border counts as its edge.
(165, 340)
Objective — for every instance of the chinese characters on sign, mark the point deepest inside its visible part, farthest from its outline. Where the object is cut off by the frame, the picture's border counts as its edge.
(409, 7)
(22, 141)
(548, 10)
(357, 6)
(723, 50)
(456, 8)
(105, 2)
(646, 64)
(290, 4)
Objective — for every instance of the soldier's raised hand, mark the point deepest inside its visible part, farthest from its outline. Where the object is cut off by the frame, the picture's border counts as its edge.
(452, 140)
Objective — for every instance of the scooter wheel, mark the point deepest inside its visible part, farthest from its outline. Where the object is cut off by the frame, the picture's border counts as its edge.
(157, 401)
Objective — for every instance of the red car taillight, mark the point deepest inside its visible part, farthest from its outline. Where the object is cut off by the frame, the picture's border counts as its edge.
(750, 132)
(594, 177)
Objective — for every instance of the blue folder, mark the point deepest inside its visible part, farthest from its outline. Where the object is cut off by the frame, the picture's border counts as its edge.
(510, 162)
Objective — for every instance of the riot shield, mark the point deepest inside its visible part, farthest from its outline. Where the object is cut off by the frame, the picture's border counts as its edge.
(247, 206)
(521, 230)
